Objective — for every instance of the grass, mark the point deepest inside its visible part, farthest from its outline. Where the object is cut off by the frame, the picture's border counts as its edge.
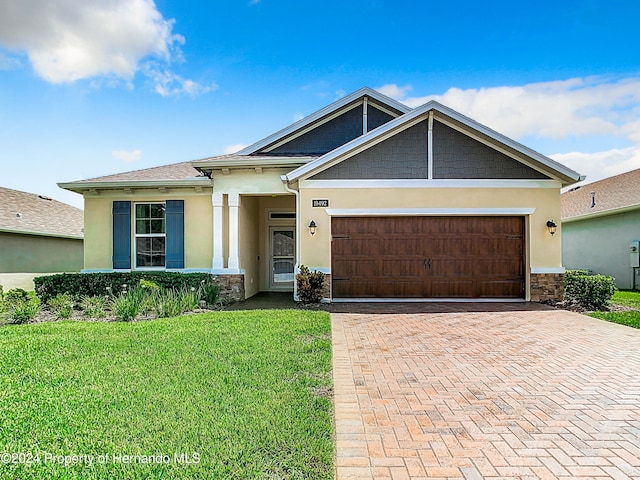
(630, 318)
(239, 395)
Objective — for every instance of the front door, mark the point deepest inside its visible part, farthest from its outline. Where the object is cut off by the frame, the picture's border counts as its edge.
(283, 258)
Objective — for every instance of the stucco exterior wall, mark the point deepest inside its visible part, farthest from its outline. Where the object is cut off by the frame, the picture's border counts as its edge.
(602, 245)
(543, 250)
(198, 225)
(21, 253)
(249, 244)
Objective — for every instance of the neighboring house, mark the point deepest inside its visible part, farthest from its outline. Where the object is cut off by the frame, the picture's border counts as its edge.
(420, 203)
(601, 224)
(37, 235)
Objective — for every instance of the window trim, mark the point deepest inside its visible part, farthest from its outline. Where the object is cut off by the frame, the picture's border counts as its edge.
(136, 235)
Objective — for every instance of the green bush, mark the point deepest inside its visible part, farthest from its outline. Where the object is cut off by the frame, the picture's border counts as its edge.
(310, 285)
(94, 307)
(21, 306)
(99, 284)
(62, 305)
(592, 292)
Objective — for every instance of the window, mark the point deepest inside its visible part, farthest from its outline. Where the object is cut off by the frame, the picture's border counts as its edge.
(150, 235)
(156, 232)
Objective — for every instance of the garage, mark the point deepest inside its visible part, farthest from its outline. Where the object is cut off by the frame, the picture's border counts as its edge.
(428, 257)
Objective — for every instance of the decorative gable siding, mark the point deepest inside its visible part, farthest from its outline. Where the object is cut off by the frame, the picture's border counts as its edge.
(376, 117)
(458, 156)
(402, 156)
(325, 137)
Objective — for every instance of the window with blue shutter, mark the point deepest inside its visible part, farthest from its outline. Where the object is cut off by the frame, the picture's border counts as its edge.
(175, 233)
(121, 235)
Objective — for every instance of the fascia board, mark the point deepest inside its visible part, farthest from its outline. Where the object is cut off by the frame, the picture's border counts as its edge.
(322, 113)
(41, 234)
(603, 213)
(83, 186)
(275, 162)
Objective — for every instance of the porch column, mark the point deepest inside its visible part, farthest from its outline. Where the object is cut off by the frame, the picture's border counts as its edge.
(234, 204)
(218, 259)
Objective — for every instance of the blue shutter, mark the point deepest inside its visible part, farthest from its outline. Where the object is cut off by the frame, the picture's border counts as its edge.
(122, 235)
(175, 233)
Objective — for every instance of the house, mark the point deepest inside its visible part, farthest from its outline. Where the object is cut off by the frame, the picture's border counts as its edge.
(389, 202)
(37, 235)
(601, 228)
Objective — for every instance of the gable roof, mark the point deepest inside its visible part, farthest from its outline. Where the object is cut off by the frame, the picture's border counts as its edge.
(175, 174)
(30, 213)
(452, 118)
(605, 197)
(302, 124)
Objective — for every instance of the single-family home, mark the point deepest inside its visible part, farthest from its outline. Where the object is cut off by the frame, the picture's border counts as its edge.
(601, 228)
(391, 203)
(37, 235)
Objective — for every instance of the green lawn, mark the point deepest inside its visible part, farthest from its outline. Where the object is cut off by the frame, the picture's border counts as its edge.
(630, 318)
(236, 395)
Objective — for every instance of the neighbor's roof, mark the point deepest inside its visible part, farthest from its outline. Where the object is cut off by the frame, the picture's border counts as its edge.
(23, 212)
(604, 197)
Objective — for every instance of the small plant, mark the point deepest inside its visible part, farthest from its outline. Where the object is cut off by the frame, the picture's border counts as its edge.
(129, 304)
(62, 305)
(209, 292)
(592, 292)
(168, 303)
(190, 299)
(93, 307)
(21, 306)
(149, 285)
(310, 285)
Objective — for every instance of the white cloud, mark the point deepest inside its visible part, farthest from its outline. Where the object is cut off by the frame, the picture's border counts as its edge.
(70, 40)
(125, 156)
(229, 149)
(558, 109)
(167, 83)
(599, 165)
(594, 107)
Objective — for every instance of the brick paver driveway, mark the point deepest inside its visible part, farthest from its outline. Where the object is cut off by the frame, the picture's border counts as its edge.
(485, 391)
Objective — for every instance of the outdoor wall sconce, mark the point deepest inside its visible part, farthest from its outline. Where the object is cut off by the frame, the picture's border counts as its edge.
(312, 227)
(551, 225)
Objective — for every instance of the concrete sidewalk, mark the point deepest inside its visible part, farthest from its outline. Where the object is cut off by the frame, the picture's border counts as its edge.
(484, 391)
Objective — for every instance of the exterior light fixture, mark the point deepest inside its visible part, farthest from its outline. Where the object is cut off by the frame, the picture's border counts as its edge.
(551, 225)
(312, 227)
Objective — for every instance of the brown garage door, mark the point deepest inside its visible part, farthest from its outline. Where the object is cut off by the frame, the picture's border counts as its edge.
(430, 257)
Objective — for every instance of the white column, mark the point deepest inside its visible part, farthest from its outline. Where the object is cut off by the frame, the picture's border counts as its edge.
(218, 259)
(234, 258)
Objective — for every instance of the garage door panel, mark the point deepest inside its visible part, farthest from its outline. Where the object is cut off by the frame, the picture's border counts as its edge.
(429, 256)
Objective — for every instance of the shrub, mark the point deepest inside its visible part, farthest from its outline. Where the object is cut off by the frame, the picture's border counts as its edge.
(62, 305)
(168, 303)
(94, 307)
(309, 285)
(21, 306)
(190, 299)
(209, 292)
(95, 284)
(129, 304)
(592, 292)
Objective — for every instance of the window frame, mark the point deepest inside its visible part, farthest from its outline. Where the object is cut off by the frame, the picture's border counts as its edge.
(136, 235)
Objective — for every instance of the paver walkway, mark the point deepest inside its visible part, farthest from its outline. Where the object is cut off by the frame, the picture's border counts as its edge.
(484, 391)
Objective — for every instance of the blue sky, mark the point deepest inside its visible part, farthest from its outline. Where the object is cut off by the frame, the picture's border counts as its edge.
(90, 88)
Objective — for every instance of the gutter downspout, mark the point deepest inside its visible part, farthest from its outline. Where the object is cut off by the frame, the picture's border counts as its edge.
(285, 182)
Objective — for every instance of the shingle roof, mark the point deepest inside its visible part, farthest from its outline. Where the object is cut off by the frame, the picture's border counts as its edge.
(608, 195)
(174, 171)
(32, 213)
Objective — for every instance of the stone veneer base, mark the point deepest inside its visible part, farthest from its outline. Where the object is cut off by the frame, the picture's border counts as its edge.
(231, 286)
(546, 287)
